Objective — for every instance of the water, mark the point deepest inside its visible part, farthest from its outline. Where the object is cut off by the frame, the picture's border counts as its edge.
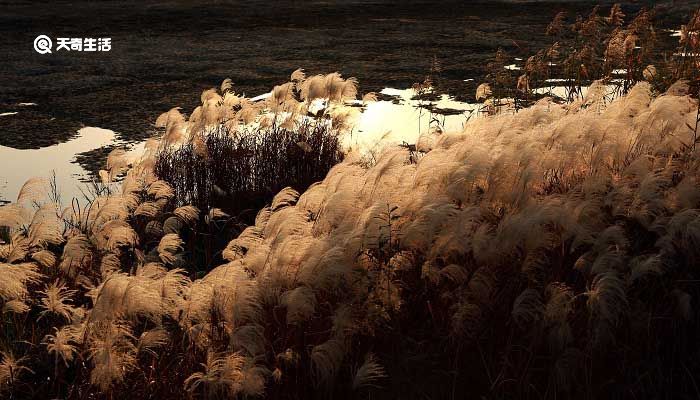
(158, 62)
(18, 165)
(386, 123)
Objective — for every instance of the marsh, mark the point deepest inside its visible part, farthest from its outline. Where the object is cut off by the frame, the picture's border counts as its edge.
(164, 53)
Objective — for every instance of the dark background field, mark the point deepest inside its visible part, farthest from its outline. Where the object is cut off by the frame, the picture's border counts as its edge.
(164, 53)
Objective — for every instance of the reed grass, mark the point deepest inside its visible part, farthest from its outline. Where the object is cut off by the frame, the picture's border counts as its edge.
(549, 253)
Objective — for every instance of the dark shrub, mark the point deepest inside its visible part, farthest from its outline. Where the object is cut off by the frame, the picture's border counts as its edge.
(239, 171)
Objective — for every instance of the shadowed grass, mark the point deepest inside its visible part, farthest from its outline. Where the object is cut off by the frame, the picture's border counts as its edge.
(243, 171)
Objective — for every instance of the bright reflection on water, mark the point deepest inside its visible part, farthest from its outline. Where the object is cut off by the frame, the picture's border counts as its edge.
(386, 123)
(16, 166)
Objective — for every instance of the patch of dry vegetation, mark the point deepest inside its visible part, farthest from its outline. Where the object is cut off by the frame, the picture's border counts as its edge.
(610, 47)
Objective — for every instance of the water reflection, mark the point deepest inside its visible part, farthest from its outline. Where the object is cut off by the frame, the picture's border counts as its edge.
(18, 165)
(393, 122)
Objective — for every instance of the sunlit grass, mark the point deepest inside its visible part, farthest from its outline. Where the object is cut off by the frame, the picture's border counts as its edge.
(545, 253)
